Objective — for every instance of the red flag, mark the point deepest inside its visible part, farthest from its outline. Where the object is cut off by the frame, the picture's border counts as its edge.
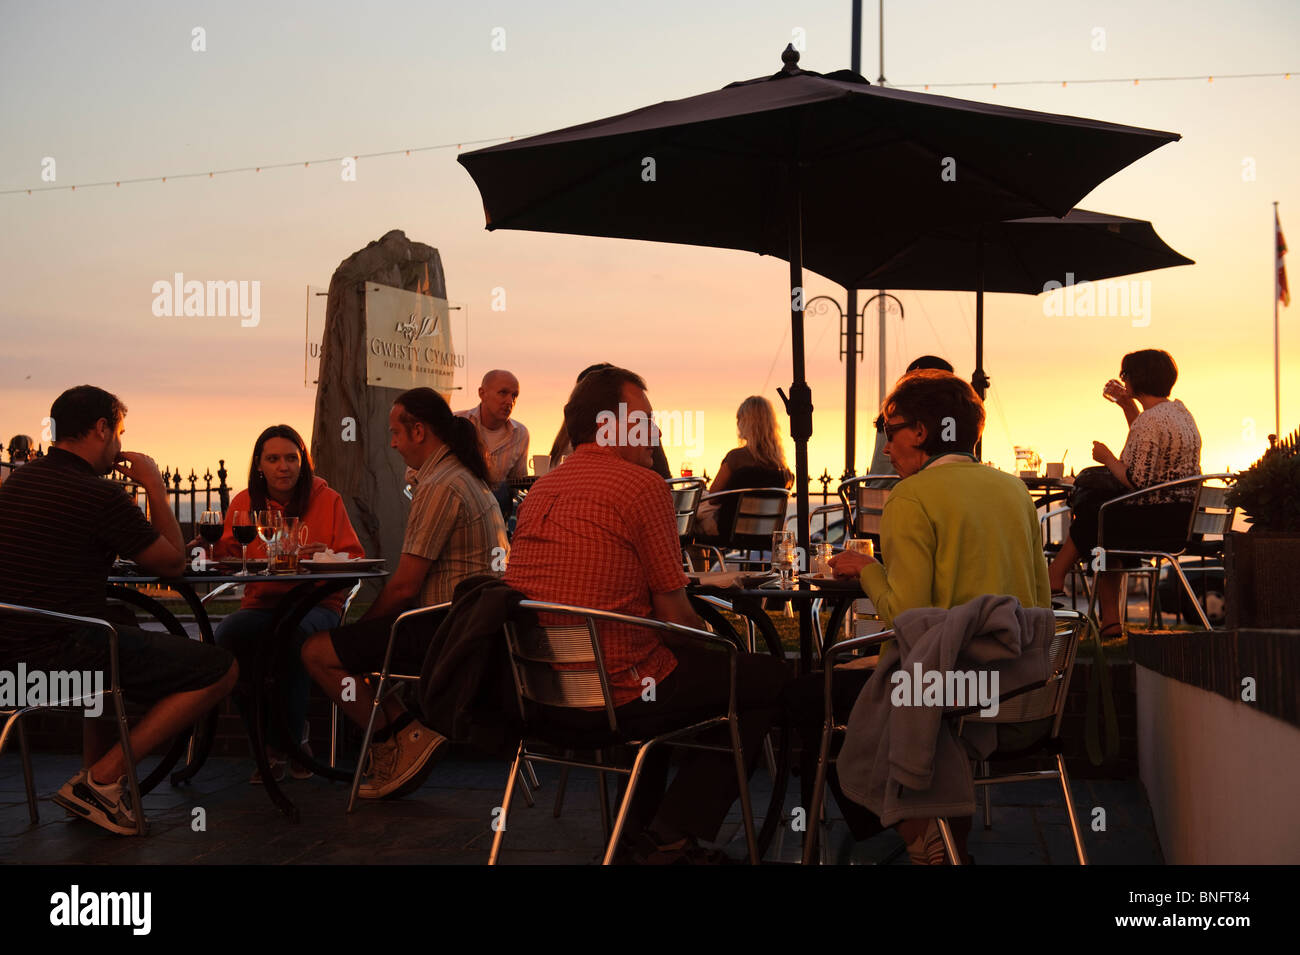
(1283, 293)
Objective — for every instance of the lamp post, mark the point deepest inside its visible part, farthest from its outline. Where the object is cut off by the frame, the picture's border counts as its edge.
(851, 334)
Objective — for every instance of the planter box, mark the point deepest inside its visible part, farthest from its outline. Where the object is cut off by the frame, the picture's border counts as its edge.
(1263, 580)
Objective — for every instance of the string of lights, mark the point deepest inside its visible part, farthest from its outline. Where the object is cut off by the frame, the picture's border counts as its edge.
(307, 163)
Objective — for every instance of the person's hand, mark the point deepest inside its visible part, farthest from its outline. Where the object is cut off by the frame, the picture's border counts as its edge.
(310, 550)
(139, 468)
(1116, 391)
(849, 564)
(1102, 454)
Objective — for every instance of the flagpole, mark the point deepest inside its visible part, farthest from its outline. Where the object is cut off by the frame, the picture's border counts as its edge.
(1277, 367)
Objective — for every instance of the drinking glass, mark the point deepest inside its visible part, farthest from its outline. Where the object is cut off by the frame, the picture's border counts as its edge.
(243, 526)
(289, 537)
(268, 523)
(211, 529)
(861, 545)
(783, 555)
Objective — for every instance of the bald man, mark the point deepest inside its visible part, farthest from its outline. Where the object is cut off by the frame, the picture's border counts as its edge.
(504, 439)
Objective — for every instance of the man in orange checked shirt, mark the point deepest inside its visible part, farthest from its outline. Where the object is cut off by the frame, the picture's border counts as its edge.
(600, 531)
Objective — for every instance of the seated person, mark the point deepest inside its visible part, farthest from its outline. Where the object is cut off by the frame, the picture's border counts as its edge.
(952, 529)
(606, 506)
(454, 531)
(61, 526)
(758, 462)
(562, 447)
(505, 440)
(1163, 444)
(879, 460)
(280, 478)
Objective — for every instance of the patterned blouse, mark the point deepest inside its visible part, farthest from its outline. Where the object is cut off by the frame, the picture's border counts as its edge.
(1163, 445)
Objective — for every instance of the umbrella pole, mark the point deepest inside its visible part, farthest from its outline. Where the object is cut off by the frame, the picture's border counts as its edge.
(799, 405)
(979, 379)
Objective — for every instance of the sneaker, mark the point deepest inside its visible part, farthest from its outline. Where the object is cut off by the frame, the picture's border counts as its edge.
(108, 807)
(401, 764)
(277, 771)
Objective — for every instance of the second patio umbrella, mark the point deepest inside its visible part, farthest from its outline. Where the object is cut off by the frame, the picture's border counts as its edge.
(1017, 255)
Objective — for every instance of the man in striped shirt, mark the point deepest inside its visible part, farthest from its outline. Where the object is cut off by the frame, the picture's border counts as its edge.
(454, 531)
(61, 526)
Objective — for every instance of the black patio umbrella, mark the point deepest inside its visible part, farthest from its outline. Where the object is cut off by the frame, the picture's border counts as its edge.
(1016, 255)
(798, 164)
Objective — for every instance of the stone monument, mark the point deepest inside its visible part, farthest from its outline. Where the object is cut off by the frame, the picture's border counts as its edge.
(350, 441)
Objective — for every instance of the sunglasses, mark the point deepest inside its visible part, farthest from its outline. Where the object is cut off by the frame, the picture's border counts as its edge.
(892, 429)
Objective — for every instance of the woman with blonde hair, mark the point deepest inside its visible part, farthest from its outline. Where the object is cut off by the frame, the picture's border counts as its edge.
(758, 462)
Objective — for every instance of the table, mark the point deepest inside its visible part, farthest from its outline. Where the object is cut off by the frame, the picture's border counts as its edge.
(1047, 491)
(748, 602)
(308, 591)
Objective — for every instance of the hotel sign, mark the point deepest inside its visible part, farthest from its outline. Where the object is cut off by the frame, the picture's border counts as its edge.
(408, 340)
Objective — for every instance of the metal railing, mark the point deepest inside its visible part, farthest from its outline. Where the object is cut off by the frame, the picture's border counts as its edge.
(177, 493)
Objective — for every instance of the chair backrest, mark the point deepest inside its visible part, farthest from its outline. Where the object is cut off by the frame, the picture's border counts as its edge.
(1211, 514)
(686, 492)
(760, 512)
(1047, 700)
(1208, 513)
(534, 652)
(50, 616)
(864, 498)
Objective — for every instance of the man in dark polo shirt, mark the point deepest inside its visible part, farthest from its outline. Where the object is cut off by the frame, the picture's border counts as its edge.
(61, 526)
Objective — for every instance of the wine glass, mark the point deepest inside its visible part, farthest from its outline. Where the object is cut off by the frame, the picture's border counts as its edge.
(268, 523)
(211, 529)
(243, 526)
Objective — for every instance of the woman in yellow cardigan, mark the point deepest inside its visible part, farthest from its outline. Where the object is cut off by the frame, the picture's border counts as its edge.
(951, 530)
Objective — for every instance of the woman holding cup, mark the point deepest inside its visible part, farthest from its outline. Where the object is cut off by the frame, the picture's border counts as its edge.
(310, 517)
(952, 530)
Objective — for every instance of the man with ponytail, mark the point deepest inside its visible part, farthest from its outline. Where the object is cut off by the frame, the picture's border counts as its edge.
(454, 531)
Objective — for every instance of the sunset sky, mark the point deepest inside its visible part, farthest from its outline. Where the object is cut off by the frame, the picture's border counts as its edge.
(116, 92)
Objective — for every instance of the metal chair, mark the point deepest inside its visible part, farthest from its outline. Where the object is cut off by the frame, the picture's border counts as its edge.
(1210, 515)
(534, 652)
(864, 500)
(686, 492)
(1026, 706)
(13, 714)
(758, 513)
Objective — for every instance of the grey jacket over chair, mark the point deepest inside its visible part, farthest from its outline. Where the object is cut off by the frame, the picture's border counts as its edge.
(906, 761)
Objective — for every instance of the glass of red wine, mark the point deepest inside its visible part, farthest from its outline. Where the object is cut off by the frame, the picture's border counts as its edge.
(211, 528)
(245, 531)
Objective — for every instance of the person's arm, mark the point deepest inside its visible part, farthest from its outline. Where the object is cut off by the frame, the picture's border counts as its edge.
(402, 588)
(909, 540)
(724, 475)
(166, 555)
(1118, 392)
(674, 607)
(342, 538)
(1104, 455)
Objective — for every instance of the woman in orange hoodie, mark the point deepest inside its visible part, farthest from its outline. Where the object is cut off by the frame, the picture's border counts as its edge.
(280, 478)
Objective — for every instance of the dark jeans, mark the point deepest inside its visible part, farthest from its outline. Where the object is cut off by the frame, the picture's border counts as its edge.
(705, 786)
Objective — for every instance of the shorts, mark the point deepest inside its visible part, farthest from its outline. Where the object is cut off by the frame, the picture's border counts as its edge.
(152, 664)
(360, 646)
